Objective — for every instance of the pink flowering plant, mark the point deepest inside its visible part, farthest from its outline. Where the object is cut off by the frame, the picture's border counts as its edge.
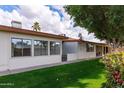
(114, 64)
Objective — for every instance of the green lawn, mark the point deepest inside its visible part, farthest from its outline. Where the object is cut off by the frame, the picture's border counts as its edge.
(88, 74)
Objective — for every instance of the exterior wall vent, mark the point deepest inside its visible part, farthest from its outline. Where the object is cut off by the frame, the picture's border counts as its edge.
(16, 24)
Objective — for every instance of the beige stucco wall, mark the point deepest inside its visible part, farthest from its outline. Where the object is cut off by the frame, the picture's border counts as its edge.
(4, 55)
(82, 53)
(71, 56)
(7, 62)
(76, 50)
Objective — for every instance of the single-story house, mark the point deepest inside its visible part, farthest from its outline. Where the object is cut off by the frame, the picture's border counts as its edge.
(21, 48)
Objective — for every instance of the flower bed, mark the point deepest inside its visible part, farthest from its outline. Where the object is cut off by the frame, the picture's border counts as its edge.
(114, 64)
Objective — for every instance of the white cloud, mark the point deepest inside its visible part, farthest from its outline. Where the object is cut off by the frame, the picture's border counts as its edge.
(49, 20)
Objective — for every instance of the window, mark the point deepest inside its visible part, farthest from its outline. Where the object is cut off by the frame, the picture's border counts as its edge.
(54, 48)
(26, 47)
(40, 47)
(16, 47)
(107, 50)
(21, 47)
(90, 47)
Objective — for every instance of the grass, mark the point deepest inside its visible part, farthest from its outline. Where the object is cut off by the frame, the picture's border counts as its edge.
(84, 74)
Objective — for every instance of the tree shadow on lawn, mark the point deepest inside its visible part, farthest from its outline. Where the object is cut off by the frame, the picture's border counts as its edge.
(82, 74)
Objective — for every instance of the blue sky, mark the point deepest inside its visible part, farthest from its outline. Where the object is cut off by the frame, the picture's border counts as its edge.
(55, 10)
(9, 8)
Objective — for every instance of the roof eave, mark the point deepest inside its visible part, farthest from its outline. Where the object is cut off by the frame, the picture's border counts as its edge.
(29, 32)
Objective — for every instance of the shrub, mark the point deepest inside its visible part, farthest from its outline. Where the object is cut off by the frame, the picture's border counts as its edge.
(114, 64)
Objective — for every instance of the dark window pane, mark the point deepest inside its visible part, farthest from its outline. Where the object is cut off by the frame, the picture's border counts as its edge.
(40, 47)
(54, 48)
(16, 47)
(89, 47)
(107, 50)
(21, 47)
(26, 47)
(36, 48)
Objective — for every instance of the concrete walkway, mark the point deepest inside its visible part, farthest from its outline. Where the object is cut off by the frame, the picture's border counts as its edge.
(40, 67)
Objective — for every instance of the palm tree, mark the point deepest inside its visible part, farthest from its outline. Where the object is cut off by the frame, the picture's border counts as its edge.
(36, 26)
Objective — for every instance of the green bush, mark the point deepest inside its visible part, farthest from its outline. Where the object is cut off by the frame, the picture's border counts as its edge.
(114, 64)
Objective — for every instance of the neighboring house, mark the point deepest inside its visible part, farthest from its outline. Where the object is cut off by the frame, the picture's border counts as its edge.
(21, 48)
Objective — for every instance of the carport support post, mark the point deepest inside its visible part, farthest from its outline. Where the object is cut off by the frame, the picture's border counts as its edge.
(102, 50)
